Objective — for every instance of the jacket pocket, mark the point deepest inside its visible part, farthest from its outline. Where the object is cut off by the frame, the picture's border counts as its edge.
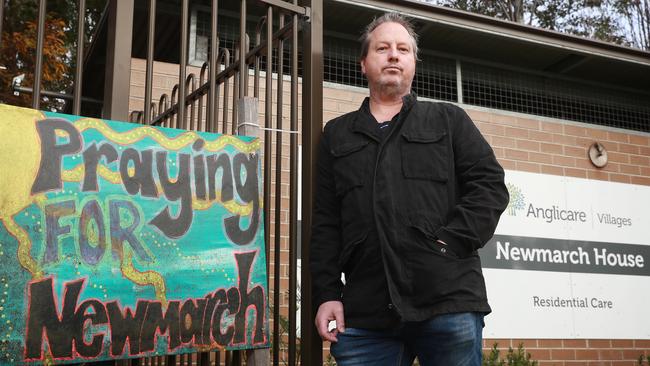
(426, 232)
(425, 155)
(349, 246)
(350, 165)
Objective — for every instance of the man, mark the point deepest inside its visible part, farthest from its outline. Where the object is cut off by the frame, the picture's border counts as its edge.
(407, 191)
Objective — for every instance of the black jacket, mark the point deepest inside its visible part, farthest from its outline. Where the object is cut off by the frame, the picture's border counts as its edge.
(382, 202)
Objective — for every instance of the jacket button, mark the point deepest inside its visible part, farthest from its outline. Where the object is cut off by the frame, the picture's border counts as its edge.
(390, 306)
(443, 250)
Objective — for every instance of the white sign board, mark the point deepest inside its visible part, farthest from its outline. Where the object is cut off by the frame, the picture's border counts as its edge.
(569, 259)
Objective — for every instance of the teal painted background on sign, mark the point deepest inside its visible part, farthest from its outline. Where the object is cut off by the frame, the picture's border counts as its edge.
(192, 265)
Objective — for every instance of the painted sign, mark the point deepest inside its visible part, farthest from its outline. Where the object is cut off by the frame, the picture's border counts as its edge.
(570, 259)
(120, 240)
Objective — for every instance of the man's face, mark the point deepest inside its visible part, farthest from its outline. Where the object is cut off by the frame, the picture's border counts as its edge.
(390, 63)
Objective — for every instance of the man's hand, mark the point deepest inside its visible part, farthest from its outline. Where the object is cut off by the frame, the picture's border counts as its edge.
(328, 311)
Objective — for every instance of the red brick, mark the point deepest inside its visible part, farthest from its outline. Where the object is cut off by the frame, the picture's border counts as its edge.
(574, 343)
(618, 157)
(597, 174)
(539, 354)
(629, 149)
(599, 343)
(528, 167)
(549, 343)
(587, 354)
(572, 172)
(640, 140)
(527, 343)
(516, 154)
(478, 115)
(611, 354)
(632, 354)
(501, 342)
(585, 163)
(645, 343)
(551, 363)
(575, 130)
(500, 141)
(600, 363)
(551, 148)
(553, 170)
(564, 161)
(518, 133)
(565, 140)
(528, 123)
(611, 167)
(551, 127)
(507, 164)
(645, 151)
(578, 152)
(563, 354)
(645, 171)
(528, 145)
(597, 134)
(540, 136)
(617, 136)
(491, 129)
(540, 158)
(630, 169)
(640, 160)
(576, 363)
(621, 178)
(644, 181)
(504, 120)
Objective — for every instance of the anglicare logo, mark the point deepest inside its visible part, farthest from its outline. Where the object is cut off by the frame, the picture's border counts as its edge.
(517, 202)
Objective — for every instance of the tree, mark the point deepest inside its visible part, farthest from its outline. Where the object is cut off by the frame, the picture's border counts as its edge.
(636, 16)
(18, 47)
(588, 18)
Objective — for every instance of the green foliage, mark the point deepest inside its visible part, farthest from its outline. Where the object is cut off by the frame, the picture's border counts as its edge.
(644, 360)
(624, 22)
(18, 47)
(517, 357)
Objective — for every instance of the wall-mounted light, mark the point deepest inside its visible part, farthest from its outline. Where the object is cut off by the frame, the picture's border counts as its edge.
(598, 154)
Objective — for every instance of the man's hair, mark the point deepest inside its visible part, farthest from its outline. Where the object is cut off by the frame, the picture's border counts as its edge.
(388, 18)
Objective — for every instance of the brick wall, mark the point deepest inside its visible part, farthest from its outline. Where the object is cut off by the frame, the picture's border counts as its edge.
(521, 142)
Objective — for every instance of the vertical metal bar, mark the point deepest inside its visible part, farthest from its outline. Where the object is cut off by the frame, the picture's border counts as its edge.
(118, 59)
(214, 54)
(293, 191)
(148, 83)
(278, 188)
(2, 14)
(190, 87)
(183, 64)
(312, 125)
(268, 136)
(170, 360)
(243, 70)
(459, 82)
(204, 359)
(38, 70)
(78, 78)
(235, 91)
(226, 92)
(203, 123)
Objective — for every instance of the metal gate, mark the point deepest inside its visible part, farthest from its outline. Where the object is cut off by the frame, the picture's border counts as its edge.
(272, 73)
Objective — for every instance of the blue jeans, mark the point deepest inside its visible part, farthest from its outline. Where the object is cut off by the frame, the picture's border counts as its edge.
(445, 340)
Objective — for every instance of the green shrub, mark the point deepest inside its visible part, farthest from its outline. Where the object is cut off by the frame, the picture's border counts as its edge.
(517, 357)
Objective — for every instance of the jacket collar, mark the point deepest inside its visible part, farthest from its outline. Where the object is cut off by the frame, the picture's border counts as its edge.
(366, 124)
